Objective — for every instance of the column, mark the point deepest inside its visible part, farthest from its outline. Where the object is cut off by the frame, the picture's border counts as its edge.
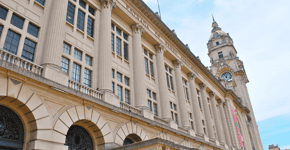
(209, 123)
(138, 67)
(163, 90)
(225, 124)
(195, 104)
(105, 56)
(180, 94)
(219, 128)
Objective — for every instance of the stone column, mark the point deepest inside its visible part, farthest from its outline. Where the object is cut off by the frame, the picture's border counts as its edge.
(225, 124)
(162, 83)
(138, 67)
(105, 55)
(219, 128)
(180, 94)
(195, 104)
(54, 43)
(209, 123)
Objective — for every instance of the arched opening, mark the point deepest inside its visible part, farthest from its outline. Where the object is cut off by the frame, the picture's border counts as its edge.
(11, 130)
(78, 138)
(132, 138)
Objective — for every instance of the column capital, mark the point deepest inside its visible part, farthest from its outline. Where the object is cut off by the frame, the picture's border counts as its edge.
(212, 95)
(108, 4)
(191, 76)
(203, 86)
(219, 101)
(178, 63)
(137, 28)
(160, 48)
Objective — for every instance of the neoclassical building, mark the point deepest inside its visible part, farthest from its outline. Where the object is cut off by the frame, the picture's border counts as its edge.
(109, 74)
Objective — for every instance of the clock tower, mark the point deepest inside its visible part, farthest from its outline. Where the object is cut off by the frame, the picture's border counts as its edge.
(230, 71)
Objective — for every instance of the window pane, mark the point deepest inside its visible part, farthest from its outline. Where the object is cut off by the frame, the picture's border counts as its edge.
(172, 115)
(190, 115)
(40, 2)
(150, 56)
(92, 10)
(3, 12)
(199, 103)
(112, 42)
(76, 73)
(154, 95)
(171, 81)
(113, 73)
(82, 4)
(186, 92)
(87, 77)
(32, 29)
(176, 119)
(145, 52)
(155, 109)
(28, 50)
(151, 69)
(113, 87)
(171, 105)
(149, 93)
(78, 54)
(112, 26)
(149, 105)
(174, 106)
(64, 64)
(1, 28)
(89, 60)
(119, 76)
(119, 31)
(81, 20)
(192, 127)
(11, 42)
(17, 21)
(70, 13)
(119, 92)
(146, 65)
(127, 96)
(126, 55)
(66, 48)
(118, 46)
(127, 81)
(90, 27)
(167, 78)
(125, 36)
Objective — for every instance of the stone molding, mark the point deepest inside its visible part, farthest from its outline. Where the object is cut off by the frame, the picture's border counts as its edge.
(138, 28)
(108, 4)
(160, 48)
(178, 63)
(192, 76)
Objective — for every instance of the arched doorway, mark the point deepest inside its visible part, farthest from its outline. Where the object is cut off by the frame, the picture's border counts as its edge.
(132, 138)
(78, 138)
(11, 130)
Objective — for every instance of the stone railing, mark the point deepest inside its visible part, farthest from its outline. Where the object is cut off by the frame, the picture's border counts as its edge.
(159, 120)
(130, 108)
(84, 89)
(20, 62)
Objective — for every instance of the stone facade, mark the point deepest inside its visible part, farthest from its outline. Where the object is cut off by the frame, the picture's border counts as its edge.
(107, 74)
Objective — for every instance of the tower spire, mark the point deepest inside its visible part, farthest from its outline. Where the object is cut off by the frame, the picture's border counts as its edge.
(212, 18)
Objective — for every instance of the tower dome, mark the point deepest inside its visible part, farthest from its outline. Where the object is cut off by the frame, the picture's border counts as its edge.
(216, 30)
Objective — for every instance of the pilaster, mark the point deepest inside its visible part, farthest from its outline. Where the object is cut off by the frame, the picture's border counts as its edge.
(225, 124)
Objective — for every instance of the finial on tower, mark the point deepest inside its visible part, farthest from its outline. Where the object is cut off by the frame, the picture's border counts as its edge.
(212, 18)
(214, 24)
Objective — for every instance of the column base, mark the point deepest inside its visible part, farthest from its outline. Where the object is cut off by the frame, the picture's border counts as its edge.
(110, 97)
(54, 73)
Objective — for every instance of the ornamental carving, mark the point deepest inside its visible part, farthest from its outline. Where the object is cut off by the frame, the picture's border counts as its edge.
(160, 48)
(178, 63)
(191, 76)
(137, 28)
(78, 138)
(108, 4)
(11, 126)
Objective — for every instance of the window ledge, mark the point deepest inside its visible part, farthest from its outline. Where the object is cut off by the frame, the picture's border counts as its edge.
(90, 37)
(147, 75)
(69, 24)
(119, 56)
(80, 31)
(126, 61)
(152, 78)
(42, 6)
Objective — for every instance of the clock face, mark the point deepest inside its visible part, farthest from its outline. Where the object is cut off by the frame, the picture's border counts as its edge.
(227, 76)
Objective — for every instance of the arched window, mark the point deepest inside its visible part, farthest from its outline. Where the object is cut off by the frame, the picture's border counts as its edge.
(78, 138)
(11, 130)
(132, 138)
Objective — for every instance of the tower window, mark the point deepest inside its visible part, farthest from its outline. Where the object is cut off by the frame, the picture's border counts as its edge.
(217, 43)
(220, 55)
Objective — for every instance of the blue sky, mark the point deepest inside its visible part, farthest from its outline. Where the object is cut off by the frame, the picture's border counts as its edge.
(260, 30)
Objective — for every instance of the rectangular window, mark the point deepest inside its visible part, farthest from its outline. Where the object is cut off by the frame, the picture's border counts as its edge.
(154, 95)
(112, 26)
(169, 70)
(112, 42)
(78, 54)
(197, 91)
(64, 64)
(33, 29)
(190, 115)
(176, 118)
(28, 50)
(199, 102)
(127, 96)
(1, 28)
(155, 109)
(119, 92)
(167, 78)
(204, 130)
(126, 55)
(92, 10)
(81, 20)
(3, 13)
(17, 21)
(113, 73)
(119, 31)
(172, 116)
(150, 56)
(145, 52)
(149, 93)
(66, 48)
(76, 73)
(113, 87)
(171, 81)
(11, 42)
(146, 65)
(127, 81)
(151, 69)
(202, 122)
(90, 27)
(82, 3)
(87, 77)
(174, 106)
(119, 76)
(209, 110)
(89, 60)
(149, 105)
(125, 36)
(118, 46)
(220, 55)
(41, 2)
(70, 13)
(171, 105)
(186, 93)
(192, 126)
